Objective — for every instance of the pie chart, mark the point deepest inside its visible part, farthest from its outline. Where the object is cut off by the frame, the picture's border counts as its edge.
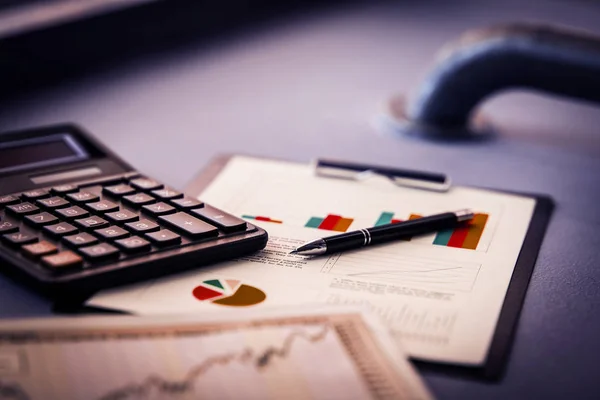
(228, 292)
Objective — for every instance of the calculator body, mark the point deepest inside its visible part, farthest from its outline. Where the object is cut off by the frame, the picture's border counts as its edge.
(76, 218)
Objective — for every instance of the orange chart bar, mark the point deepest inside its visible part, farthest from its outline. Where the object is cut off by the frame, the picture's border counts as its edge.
(476, 228)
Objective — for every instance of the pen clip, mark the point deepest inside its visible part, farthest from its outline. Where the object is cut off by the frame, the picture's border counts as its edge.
(400, 177)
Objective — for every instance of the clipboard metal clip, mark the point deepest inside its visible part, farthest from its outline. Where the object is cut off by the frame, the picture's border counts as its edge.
(401, 177)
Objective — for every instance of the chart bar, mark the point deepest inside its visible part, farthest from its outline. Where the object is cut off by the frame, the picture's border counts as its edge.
(443, 237)
(343, 224)
(458, 237)
(329, 222)
(314, 222)
(475, 231)
(384, 218)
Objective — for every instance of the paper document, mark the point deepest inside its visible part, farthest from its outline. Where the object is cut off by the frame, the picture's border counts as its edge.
(441, 293)
(326, 353)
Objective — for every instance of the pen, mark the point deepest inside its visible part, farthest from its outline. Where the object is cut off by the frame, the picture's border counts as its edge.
(383, 233)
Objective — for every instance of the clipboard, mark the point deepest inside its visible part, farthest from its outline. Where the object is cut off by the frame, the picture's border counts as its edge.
(504, 333)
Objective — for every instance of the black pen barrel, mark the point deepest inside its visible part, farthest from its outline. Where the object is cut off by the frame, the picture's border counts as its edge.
(346, 241)
(419, 226)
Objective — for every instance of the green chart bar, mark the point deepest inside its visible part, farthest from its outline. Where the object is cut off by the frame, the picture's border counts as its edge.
(314, 222)
(443, 237)
(385, 218)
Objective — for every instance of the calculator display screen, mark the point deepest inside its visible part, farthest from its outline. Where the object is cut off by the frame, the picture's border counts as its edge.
(38, 152)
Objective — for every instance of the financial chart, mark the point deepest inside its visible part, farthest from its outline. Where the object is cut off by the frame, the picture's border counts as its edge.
(275, 358)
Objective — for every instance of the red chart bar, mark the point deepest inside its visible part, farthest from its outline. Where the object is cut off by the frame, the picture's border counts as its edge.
(330, 221)
(458, 237)
(395, 221)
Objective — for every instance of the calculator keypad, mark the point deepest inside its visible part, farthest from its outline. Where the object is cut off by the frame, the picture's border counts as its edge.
(69, 227)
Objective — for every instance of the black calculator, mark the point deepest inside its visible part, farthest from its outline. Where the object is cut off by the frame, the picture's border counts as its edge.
(76, 218)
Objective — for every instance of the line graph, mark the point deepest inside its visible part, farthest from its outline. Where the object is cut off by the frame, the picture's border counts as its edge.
(246, 356)
(395, 268)
(268, 358)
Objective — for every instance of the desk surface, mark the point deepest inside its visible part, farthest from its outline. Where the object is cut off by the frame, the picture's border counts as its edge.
(310, 87)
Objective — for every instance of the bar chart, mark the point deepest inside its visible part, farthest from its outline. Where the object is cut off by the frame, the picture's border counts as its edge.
(463, 237)
(331, 222)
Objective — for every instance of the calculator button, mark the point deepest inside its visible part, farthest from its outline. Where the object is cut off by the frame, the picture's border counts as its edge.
(83, 197)
(35, 194)
(100, 252)
(164, 237)
(36, 250)
(118, 190)
(53, 203)
(91, 222)
(139, 199)
(62, 260)
(8, 227)
(142, 226)
(112, 233)
(167, 194)
(133, 244)
(104, 206)
(59, 230)
(226, 222)
(19, 238)
(23, 209)
(80, 239)
(73, 212)
(122, 216)
(64, 189)
(8, 200)
(158, 209)
(145, 184)
(41, 219)
(189, 225)
(187, 203)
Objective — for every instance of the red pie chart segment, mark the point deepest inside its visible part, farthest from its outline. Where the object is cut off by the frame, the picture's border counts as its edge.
(204, 293)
